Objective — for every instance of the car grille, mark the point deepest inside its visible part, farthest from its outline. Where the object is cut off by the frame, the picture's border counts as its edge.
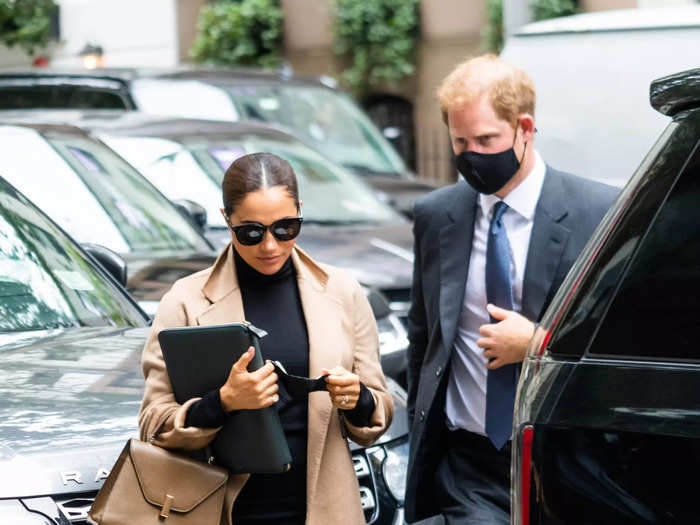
(75, 508)
(399, 301)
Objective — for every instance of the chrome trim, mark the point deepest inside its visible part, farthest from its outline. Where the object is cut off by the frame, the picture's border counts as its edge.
(361, 466)
(367, 499)
(75, 509)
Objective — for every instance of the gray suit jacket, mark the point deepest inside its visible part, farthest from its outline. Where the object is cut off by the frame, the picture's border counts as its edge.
(568, 211)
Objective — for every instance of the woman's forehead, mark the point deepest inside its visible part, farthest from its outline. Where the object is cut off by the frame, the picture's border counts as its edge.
(266, 204)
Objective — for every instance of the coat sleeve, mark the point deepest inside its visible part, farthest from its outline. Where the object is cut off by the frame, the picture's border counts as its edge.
(417, 326)
(367, 366)
(161, 418)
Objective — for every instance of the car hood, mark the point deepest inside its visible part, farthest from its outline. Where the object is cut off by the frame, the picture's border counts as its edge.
(70, 400)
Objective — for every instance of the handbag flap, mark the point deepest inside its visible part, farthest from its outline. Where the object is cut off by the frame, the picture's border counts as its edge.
(163, 473)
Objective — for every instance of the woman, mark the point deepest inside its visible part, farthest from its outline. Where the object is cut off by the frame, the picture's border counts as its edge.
(318, 322)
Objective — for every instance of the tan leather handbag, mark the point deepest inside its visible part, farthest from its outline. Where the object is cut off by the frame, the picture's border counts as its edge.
(151, 485)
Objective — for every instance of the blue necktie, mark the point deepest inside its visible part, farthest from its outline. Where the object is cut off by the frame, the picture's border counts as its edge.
(500, 383)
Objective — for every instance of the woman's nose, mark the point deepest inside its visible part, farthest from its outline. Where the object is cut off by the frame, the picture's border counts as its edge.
(269, 242)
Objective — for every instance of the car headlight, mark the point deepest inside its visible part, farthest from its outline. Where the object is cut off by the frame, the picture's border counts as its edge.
(392, 334)
(395, 467)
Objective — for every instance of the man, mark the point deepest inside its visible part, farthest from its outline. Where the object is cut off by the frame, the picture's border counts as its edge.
(490, 252)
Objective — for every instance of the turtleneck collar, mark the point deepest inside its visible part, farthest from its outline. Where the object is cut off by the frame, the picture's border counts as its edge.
(247, 275)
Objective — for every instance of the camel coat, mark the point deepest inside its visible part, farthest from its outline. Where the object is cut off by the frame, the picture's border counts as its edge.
(342, 331)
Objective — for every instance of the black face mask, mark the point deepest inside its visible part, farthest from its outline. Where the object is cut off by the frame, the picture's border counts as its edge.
(489, 172)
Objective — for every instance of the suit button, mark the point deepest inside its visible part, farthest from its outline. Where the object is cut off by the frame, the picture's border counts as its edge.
(438, 371)
(422, 415)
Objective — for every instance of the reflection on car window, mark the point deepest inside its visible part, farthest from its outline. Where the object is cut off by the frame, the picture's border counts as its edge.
(196, 170)
(102, 199)
(326, 119)
(44, 280)
(329, 193)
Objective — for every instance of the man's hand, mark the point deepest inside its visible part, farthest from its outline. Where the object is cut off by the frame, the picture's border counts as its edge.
(505, 341)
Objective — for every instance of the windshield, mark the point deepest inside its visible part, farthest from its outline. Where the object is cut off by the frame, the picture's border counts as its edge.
(45, 282)
(326, 119)
(330, 194)
(93, 193)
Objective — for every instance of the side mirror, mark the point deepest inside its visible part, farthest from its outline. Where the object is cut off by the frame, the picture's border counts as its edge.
(193, 211)
(111, 261)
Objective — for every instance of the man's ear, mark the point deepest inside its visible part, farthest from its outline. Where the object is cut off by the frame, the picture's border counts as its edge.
(527, 127)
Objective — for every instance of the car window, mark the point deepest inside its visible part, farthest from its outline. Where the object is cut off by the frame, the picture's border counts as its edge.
(94, 193)
(183, 98)
(73, 97)
(45, 282)
(173, 170)
(655, 311)
(195, 171)
(593, 288)
(326, 119)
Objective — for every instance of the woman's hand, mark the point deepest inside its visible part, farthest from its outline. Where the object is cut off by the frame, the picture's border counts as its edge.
(344, 387)
(245, 390)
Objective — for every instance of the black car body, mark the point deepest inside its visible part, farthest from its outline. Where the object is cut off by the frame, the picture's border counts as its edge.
(70, 346)
(607, 426)
(312, 108)
(373, 243)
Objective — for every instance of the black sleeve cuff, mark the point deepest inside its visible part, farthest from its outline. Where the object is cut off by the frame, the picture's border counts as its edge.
(207, 412)
(361, 415)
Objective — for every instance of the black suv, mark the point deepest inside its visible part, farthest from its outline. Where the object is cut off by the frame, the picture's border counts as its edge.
(607, 426)
(71, 384)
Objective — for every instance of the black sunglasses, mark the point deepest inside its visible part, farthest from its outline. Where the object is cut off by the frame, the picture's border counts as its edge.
(252, 233)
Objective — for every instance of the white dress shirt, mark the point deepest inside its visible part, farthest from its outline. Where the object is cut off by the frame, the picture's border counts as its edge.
(465, 406)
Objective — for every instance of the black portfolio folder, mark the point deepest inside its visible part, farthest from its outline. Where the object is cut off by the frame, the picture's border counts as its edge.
(198, 360)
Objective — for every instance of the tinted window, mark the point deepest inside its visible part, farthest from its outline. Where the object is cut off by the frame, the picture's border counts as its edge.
(59, 97)
(627, 224)
(656, 309)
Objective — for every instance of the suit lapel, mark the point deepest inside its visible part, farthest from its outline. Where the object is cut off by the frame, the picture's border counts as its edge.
(455, 249)
(547, 243)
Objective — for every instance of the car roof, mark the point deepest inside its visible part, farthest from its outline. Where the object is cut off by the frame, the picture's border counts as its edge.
(138, 124)
(619, 20)
(218, 76)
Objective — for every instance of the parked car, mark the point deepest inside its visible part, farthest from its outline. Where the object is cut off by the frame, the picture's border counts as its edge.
(104, 200)
(98, 198)
(607, 423)
(316, 112)
(71, 382)
(591, 72)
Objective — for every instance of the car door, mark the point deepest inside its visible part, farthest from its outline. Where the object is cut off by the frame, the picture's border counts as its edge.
(608, 418)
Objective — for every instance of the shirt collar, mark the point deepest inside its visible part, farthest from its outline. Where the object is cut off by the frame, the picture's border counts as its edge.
(523, 199)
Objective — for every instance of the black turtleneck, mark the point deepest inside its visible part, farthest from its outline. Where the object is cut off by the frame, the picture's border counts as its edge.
(272, 303)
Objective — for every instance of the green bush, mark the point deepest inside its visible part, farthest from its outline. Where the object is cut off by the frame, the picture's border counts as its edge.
(541, 10)
(378, 38)
(544, 9)
(26, 23)
(245, 33)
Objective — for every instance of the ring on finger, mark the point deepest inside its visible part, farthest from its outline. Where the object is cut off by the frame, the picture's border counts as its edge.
(344, 401)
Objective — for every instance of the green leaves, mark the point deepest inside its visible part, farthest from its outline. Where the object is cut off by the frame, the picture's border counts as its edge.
(541, 10)
(378, 39)
(26, 23)
(245, 33)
